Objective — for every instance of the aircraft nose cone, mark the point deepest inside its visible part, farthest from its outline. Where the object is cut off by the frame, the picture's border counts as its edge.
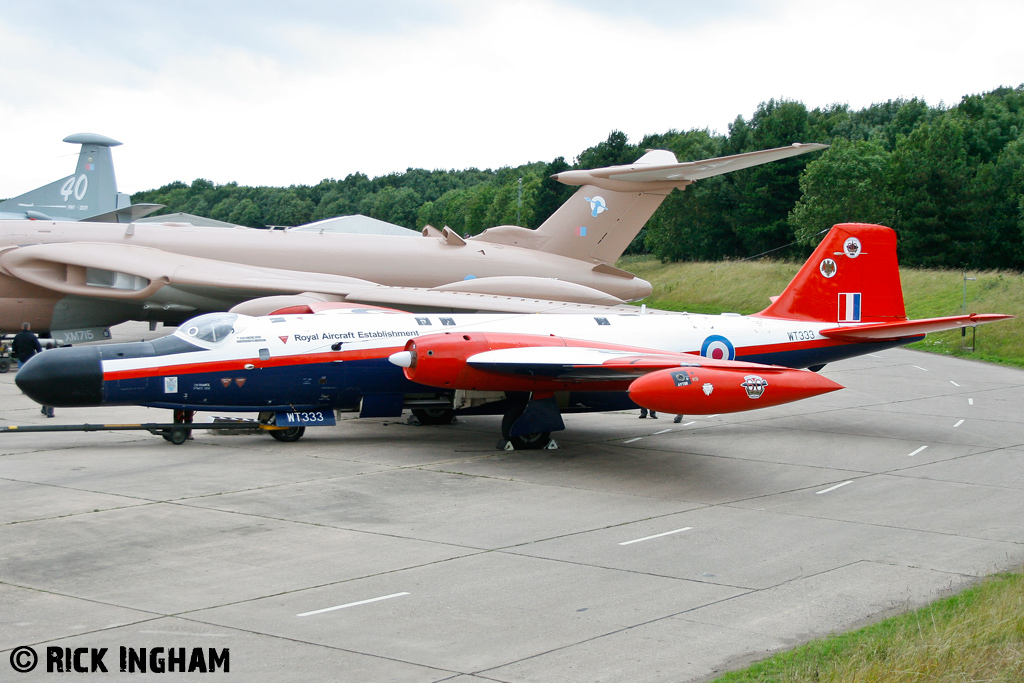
(63, 378)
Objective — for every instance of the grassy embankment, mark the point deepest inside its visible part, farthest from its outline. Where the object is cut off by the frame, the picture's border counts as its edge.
(976, 635)
(744, 287)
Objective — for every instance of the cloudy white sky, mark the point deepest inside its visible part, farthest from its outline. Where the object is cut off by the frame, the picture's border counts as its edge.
(264, 92)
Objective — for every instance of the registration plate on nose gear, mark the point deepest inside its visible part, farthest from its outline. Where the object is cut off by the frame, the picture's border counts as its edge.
(308, 418)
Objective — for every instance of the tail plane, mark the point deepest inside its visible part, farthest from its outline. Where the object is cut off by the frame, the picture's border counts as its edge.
(614, 203)
(89, 194)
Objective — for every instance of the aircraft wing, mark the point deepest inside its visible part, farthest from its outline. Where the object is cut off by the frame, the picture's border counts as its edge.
(909, 328)
(647, 170)
(117, 271)
(585, 364)
(658, 380)
(138, 273)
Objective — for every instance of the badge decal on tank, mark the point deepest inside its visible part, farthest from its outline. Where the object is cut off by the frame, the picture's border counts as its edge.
(754, 384)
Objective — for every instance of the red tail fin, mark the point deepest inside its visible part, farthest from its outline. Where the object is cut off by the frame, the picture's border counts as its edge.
(853, 276)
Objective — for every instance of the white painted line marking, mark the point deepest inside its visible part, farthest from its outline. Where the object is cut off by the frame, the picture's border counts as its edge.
(351, 604)
(920, 368)
(958, 424)
(911, 455)
(953, 383)
(833, 488)
(632, 440)
(874, 355)
(970, 401)
(647, 538)
(180, 633)
(708, 417)
(689, 423)
(663, 431)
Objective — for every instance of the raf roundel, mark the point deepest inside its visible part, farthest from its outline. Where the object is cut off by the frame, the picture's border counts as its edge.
(718, 347)
(597, 205)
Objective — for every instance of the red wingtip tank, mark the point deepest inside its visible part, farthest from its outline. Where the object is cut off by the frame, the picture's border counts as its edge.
(710, 391)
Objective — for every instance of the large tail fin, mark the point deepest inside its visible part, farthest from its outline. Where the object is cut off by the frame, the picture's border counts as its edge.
(90, 194)
(597, 224)
(852, 277)
(614, 203)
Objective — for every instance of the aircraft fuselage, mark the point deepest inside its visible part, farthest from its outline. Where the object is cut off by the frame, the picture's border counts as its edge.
(408, 261)
(340, 360)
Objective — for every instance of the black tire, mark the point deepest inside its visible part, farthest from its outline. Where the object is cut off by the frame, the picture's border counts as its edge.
(178, 435)
(289, 435)
(5, 364)
(524, 442)
(434, 416)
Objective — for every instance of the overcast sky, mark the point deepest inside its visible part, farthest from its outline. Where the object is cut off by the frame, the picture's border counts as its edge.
(264, 92)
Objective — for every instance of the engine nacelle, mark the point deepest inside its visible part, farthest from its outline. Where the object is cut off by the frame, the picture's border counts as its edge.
(442, 360)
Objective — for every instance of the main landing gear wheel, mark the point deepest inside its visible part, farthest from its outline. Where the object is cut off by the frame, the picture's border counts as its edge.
(5, 364)
(289, 435)
(523, 442)
(434, 416)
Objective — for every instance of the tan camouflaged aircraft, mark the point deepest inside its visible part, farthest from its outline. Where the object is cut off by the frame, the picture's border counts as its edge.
(75, 279)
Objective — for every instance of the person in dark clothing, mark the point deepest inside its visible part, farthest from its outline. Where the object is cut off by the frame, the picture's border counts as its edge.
(25, 345)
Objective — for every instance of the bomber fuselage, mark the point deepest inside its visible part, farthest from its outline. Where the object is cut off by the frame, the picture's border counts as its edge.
(55, 301)
(339, 360)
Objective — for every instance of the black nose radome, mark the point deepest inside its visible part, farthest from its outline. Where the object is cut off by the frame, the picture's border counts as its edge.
(63, 378)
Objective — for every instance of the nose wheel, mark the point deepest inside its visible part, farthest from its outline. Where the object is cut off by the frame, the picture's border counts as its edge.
(179, 435)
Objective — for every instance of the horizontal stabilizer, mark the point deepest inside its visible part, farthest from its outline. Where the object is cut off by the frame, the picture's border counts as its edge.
(126, 214)
(909, 328)
(648, 173)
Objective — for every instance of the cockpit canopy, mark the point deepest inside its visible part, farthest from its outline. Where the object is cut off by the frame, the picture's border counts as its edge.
(211, 328)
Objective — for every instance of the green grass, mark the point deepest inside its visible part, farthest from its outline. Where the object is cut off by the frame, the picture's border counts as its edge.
(976, 635)
(744, 287)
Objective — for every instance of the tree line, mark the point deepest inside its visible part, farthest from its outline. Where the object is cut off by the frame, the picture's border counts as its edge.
(949, 180)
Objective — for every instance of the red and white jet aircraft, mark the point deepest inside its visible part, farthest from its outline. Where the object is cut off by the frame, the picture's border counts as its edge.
(298, 365)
